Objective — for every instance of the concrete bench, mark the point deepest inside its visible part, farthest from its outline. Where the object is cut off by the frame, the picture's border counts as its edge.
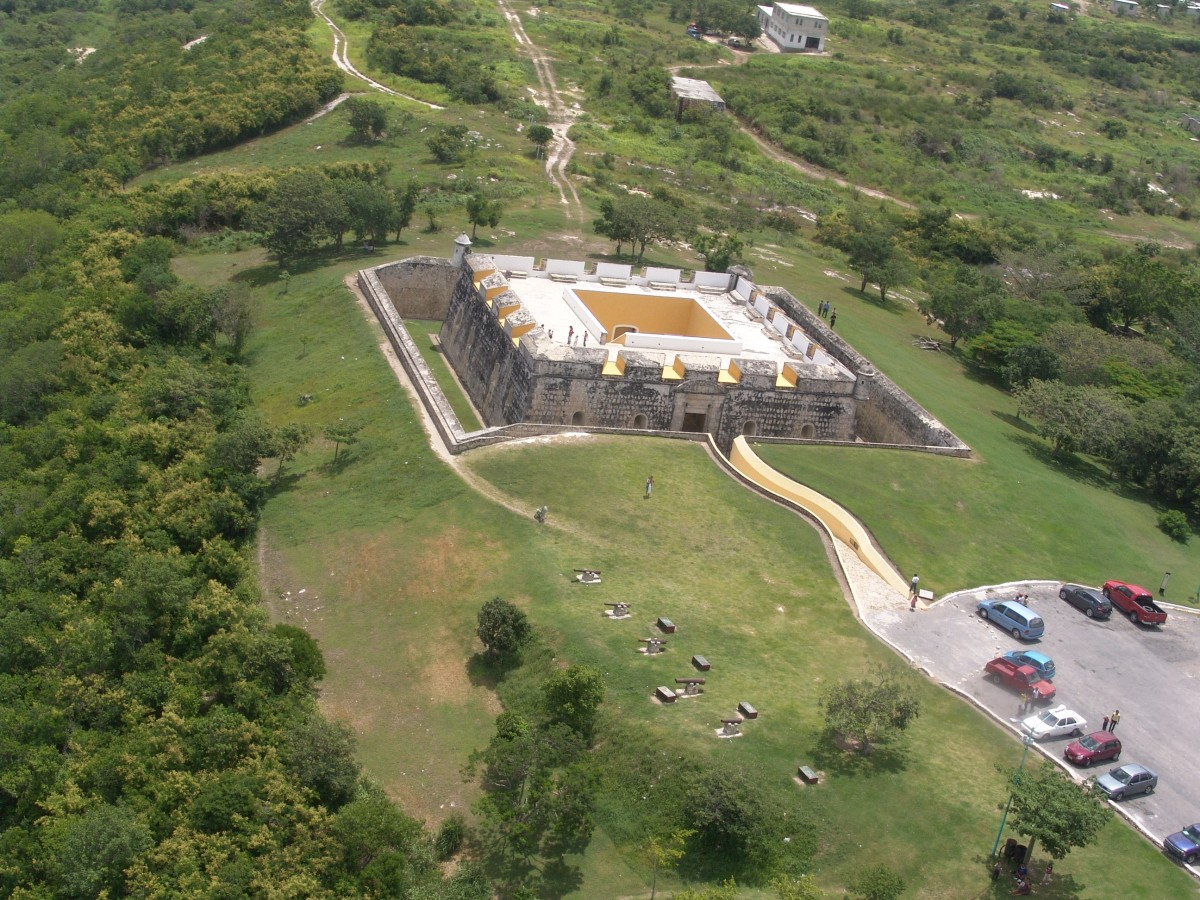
(666, 625)
(701, 663)
(663, 286)
(924, 594)
(665, 694)
(747, 710)
(565, 279)
(807, 775)
(710, 289)
(614, 282)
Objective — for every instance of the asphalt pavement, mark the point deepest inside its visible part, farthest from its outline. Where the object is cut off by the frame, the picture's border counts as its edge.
(1150, 674)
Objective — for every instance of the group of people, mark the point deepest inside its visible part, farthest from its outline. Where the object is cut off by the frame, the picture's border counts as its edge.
(1110, 721)
(825, 312)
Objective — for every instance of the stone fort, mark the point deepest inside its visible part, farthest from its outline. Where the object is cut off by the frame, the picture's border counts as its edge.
(541, 345)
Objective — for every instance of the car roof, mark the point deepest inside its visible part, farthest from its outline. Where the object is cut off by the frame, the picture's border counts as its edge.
(1084, 589)
(1033, 654)
(1102, 735)
(1064, 711)
(1136, 588)
(1134, 768)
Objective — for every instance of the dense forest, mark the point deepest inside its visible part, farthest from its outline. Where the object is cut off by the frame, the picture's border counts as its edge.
(158, 736)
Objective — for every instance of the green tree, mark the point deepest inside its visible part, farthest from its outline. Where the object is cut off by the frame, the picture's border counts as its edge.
(1049, 807)
(719, 251)
(879, 258)
(502, 627)
(1136, 288)
(405, 206)
(482, 211)
(869, 710)
(1066, 415)
(96, 848)
(540, 136)
(573, 696)
(368, 118)
(303, 209)
(663, 853)
(341, 432)
(320, 755)
(965, 303)
(451, 144)
(371, 208)
(26, 236)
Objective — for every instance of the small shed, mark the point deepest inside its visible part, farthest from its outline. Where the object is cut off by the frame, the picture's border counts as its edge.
(1164, 11)
(690, 92)
(1191, 123)
(1193, 10)
(1059, 8)
(1124, 7)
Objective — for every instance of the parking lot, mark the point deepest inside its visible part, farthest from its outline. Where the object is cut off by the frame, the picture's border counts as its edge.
(1150, 674)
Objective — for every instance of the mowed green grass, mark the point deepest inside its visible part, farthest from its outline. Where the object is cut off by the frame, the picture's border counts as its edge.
(1012, 511)
(395, 555)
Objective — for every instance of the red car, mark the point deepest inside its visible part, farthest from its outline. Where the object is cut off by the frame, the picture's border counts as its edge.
(1092, 748)
(1135, 602)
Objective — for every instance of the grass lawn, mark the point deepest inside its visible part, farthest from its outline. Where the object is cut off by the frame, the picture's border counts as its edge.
(395, 556)
(1012, 512)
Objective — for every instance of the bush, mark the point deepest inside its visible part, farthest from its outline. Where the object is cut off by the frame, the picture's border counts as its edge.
(1174, 525)
(450, 837)
(502, 627)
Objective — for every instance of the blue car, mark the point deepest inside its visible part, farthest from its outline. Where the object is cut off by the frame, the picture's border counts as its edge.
(1184, 844)
(1018, 620)
(1043, 664)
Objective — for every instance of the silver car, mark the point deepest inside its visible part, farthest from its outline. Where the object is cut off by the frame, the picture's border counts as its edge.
(1127, 780)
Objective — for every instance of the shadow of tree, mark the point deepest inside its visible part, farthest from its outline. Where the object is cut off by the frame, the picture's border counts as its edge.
(1019, 424)
(560, 878)
(883, 759)
(488, 670)
(872, 297)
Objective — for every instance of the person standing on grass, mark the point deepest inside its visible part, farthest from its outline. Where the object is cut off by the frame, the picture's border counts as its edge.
(912, 585)
(649, 485)
(1049, 873)
(833, 319)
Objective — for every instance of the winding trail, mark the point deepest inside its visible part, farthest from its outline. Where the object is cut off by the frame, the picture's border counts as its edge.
(561, 148)
(341, 58)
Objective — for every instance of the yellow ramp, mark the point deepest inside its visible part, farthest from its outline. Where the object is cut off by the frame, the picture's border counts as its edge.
(837, 520)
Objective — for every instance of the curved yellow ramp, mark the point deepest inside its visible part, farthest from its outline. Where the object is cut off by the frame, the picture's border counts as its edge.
(837, 520)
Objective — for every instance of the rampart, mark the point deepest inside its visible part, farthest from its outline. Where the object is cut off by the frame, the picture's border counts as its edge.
(523, 383)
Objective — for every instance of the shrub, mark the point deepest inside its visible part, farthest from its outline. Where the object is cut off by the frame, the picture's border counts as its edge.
(502, 627)
(1174, 525)
(877, 883)
(450, 837)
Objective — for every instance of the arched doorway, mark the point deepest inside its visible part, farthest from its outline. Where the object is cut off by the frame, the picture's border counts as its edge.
(577, 418)
(808, 431)
(750, 429)
(639, 421)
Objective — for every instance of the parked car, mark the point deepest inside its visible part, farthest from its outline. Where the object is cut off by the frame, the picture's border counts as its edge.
(1055, 723)
(1135, 602)
(1019, 678)
(1184, 844)
(1018, 620)
(1127, 780)
(1094, 604)
(1040, 662)
(1093, 748)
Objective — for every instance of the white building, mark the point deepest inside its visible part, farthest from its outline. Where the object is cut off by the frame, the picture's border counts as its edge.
(794, 27)
(1124, 7)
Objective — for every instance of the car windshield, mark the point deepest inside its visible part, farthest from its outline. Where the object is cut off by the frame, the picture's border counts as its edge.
(1193, 833)
(1089, 743)
(1049, 718)
(1120, 774)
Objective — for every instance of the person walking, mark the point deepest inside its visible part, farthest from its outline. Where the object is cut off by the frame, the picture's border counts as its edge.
(1024, 701)
(649, 485)
(1113, 720)
(833, 319)
(912, 585)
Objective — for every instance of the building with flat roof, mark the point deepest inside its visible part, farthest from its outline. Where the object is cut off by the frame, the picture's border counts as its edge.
(794, 28)
(692, 92)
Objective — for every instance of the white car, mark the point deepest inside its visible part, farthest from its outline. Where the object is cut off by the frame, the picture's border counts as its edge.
(1055, 723)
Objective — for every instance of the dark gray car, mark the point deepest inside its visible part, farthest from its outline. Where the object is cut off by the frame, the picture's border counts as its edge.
(1094, 604)
(1127, 780)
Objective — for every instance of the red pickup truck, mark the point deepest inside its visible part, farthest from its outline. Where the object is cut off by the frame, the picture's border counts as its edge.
(1019, 678)
(1135, 602)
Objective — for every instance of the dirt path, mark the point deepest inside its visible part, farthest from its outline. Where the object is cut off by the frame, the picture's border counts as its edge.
(341, 57)
(561, 148)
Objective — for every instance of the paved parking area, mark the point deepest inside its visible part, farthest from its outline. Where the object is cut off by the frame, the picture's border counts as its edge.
(1152, 675)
